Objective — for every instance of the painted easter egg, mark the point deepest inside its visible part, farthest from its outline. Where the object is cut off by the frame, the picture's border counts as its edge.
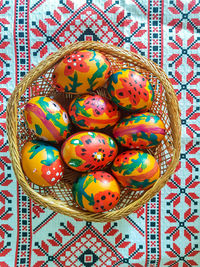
(47, 119)
(88, 151)
(96, 191)
(130, 90)
(140, 131)
(136, 170)
(93, 112)
(42, 163)
(81, 72)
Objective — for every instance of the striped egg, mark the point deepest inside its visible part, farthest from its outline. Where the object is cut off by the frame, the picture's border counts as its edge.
(42, 163)
(130, 90)
(96, 191)
(81, 72)
(140, 131)
(47, 119)
(136, 170)
(93, 112)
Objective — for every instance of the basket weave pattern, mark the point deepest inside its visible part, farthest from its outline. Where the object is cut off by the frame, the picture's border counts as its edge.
(38, 82)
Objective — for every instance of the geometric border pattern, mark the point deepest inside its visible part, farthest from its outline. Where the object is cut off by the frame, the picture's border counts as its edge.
(165, 232)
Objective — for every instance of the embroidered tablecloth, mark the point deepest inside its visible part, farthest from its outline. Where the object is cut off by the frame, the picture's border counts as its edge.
(165, 232)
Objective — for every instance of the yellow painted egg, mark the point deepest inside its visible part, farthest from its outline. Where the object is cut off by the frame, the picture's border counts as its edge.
(96, 191)
(93, 112)
(81, 72)
(130, 90)
(88, 151)
(47, 119)
(140, 131)
(42, 163)
(136, 170)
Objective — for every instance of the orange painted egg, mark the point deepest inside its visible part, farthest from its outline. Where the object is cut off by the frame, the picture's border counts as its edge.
(96, 191)
(81, 72)
(42, 163)
(47, 119)
(93, 112)
(88, 151)
(130, 90)
(136, 170)
(140, 131)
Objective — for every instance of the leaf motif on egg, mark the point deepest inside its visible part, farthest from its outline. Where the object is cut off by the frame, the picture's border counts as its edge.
(136, 169)
(81, 72)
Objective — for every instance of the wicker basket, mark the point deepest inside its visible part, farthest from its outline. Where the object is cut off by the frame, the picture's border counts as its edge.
(38, 82)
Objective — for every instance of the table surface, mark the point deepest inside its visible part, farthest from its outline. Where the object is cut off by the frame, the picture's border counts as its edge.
(166, 230)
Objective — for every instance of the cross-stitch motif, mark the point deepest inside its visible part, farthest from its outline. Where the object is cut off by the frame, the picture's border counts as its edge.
(165, 232)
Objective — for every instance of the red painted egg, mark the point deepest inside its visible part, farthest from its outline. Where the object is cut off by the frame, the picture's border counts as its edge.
(136, 169)
(96, 191)
(93, 112)
(87, 151)
(42, 163)
(130, 90)
(81, 72)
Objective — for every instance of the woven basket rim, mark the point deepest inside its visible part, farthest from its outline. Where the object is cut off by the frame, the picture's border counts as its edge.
(46, 64)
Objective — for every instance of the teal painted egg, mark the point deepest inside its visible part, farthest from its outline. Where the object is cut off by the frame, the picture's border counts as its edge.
(136, 169)
(96, 191)
(140, 131)
(130, 90)
(93, 112)
(88, 151)
(47, 119)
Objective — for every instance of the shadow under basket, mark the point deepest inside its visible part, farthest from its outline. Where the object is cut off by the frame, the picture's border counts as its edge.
(39, 82)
